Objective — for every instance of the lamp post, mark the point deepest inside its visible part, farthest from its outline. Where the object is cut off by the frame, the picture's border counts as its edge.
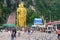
(50, 15)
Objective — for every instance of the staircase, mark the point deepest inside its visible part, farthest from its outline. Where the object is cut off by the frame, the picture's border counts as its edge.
(11, 18)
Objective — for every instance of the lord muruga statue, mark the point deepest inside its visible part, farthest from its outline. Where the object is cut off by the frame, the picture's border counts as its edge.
(21, 15)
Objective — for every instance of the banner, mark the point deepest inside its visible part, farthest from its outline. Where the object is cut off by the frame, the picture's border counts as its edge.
(37, 21)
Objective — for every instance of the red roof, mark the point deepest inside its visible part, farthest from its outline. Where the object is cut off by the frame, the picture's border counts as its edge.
(57, 21)
(49, 23)
(52, 23)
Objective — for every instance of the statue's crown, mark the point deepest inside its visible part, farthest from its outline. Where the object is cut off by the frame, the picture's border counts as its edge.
(21, 5)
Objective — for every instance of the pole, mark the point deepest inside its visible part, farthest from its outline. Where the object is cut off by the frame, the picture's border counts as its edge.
(50, 15)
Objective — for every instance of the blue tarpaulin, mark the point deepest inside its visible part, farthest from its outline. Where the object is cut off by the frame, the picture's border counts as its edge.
(37, 21)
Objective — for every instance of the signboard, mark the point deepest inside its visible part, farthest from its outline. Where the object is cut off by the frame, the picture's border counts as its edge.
(38, 21)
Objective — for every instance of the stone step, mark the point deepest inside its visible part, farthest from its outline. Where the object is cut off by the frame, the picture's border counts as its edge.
(11, 18)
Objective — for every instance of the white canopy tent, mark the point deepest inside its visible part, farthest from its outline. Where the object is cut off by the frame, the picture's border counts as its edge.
(38, 26)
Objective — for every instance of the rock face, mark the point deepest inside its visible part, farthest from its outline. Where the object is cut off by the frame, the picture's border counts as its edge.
(11, 18)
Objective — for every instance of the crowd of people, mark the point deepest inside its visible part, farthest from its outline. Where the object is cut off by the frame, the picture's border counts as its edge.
(14, 32)
(29, 31)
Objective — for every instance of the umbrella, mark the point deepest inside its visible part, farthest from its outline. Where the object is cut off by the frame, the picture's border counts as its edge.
(8, 25)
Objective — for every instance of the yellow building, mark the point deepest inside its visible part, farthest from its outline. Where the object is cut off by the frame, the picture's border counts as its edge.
(21, 15)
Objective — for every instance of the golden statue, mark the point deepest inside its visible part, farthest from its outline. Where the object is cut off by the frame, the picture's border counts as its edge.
(21, 15)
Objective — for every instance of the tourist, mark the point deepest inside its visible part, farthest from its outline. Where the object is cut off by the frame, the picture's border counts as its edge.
(12, 35)
(58, 32)
(18, 33)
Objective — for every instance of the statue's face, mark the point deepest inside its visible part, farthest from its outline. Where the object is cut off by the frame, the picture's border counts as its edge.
(21, 5)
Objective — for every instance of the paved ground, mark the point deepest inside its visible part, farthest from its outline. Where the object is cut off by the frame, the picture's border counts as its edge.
(34, 36)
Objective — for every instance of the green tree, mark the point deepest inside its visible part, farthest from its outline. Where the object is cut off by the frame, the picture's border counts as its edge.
(4, 12)
(48, 9)
(30, 16)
